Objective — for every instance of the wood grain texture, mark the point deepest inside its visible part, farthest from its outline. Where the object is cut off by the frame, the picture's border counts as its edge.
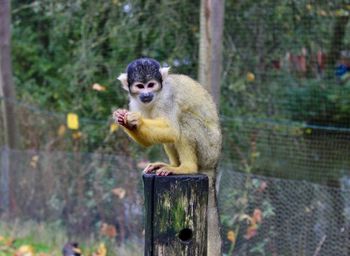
(176, 215)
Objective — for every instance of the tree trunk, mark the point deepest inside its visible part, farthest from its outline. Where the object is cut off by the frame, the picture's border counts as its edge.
(7, 91)
(7, 95)
(210, 46)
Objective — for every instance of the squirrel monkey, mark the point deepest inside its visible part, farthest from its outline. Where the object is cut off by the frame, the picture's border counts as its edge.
(176, 111)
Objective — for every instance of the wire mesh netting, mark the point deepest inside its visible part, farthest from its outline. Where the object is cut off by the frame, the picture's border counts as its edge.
(259, 214)
(284, 217)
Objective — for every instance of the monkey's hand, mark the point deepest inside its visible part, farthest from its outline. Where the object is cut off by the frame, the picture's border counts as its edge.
(130, 120)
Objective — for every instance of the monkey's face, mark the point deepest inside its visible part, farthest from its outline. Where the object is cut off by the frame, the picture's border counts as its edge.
(145, 92)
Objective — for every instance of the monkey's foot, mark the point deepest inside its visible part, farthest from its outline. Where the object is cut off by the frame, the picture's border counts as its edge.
(151, 167)
(168, 170)
(164, 171)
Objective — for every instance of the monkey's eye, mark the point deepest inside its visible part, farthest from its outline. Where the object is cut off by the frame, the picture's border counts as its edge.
(150, 85)
(140, 86)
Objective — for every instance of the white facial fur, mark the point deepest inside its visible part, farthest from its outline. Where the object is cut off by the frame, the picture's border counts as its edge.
(137, 88)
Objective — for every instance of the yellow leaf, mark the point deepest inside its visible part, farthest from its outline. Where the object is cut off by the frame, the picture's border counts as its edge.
(72, 121)
(231, 236)
(77, 135)
(113, 128)
(98, 87)
(250, 77)
(101, 250)
(25, 250)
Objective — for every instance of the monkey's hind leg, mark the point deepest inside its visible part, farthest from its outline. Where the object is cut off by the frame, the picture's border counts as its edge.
(171, 152)
(186, 157)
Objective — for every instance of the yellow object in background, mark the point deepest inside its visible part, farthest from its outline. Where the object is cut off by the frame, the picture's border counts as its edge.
(61, 130)
(72, 121)
(25, 250)
(250, 77)
(98, 87)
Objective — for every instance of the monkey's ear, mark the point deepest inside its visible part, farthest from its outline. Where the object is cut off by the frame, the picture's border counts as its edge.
(164, 72)
(123, 78)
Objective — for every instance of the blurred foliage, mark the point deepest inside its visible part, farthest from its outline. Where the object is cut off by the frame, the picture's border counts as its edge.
(277, 93)
(28, 238)
(276, 84)
(326, 104)
(61, 48)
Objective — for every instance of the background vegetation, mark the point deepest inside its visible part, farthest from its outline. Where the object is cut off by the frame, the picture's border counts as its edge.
(285, 107)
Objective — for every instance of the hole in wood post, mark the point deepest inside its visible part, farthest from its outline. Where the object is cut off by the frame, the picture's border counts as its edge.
(185, 235)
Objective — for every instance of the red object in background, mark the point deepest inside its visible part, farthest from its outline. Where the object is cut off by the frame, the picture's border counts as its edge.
(321, 60)
(298, 62)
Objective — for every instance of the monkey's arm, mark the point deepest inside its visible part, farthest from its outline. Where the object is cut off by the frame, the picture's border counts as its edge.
(145, 131)
(152, 131)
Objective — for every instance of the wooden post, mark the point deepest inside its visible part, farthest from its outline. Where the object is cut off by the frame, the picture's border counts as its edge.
(176, 215)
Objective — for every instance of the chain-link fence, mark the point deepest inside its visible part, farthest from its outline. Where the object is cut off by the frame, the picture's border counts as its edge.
(260, 215)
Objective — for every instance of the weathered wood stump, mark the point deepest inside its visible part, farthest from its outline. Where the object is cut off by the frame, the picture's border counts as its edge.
(176, 215)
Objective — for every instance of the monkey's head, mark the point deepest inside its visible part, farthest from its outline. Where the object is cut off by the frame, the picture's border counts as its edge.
(144, 79)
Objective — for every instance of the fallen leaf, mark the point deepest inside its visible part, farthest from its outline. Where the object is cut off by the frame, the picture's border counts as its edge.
(250, 77)
(231, 236)
(98, 87)
(108, 230)
(101, 250)
(119, 192)
(25, 250)
(72, 121)
(77, 135)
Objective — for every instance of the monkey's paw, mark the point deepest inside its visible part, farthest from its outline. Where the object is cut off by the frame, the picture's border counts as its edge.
(127, 119)
(119, 117)
(164, 171)
(151, 167)
(133, 119)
